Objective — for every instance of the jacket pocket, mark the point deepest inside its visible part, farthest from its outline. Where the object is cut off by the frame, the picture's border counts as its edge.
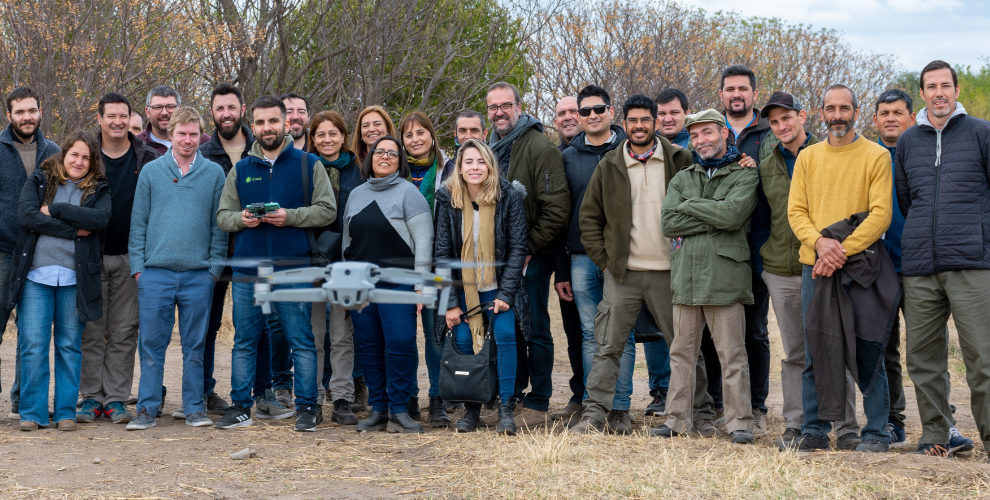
(726, 245)
(689, 193)
(95, 268)
(721, 191)
(601, 324)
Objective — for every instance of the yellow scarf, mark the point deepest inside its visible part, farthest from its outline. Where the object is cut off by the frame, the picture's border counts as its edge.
(484, 273)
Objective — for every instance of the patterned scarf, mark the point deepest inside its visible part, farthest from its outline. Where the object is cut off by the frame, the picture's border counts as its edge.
(642, 158)
(484, 273)
(423, 174)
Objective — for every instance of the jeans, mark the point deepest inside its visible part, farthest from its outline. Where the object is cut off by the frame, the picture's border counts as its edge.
(160, 291)
(504, 331)
(249, 325)
(588, 282)
(15, 388)
(876, 403)
(658, 365)
(571, 320)
(40, 308)
(281, 353)
(216, 318)
(432, 354)
(385, 339)
(535, 355)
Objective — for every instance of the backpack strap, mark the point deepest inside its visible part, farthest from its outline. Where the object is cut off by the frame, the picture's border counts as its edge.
(314, 251)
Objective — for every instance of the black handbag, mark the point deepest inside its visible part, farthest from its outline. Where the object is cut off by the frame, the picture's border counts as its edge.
(469, 378)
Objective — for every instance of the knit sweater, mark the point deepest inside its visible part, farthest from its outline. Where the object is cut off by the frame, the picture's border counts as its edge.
(171, 208)
(649, 250)
(832, 183)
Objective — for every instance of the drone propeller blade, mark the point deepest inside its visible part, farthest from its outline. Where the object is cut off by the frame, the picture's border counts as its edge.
(409, 262)
(251, 262)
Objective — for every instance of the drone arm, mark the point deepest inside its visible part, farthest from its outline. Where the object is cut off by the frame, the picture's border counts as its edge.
(301, 275)
(290, 295)
(385, 296)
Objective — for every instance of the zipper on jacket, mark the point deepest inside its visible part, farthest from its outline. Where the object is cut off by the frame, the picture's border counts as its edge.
(938, 162)
(546, 181)
(790, 233)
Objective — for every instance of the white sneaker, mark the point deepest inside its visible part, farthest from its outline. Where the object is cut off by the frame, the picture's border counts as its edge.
(179, 414)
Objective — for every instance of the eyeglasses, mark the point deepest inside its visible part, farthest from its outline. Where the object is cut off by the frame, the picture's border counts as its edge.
(157, 108)
(504, 107)
(393, 154)
(599, 110)
(634, 121)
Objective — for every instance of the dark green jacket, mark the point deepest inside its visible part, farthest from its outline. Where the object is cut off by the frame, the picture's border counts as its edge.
(537, 164)
(780, 252)
(711, 267)
(606, 212)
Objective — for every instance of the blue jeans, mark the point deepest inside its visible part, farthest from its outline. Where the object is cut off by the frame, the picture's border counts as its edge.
(160, 291)
(432, 353)
(249, 325)
(876, 403)
(504, 331)
(382, 330)
(588, 282)
(658, 365)
(15, 388)
(535, 355)
(41, 307)
(281, 360)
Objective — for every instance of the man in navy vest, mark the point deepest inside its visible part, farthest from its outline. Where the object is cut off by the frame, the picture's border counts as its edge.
(273, 172)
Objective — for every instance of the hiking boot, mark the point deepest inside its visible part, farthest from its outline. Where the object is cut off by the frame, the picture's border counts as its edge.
(804, 442)
(529, 417)
(759, 423)
(236, 416)
(506, 421)
(958, 443)
(705, 428)
(142, 421)
(403, 422)
(270, 407)
(469, 422)
(588, 425)
(198, 419)
(491, 419)
(28, 426)
(438, 414)
(664, 432)
(342, 413)
(360, 395)
(933, 450)
(658, 406)
(117, 412)
(720, 417)
(619, 422)
(412, 407)
(67, 425)
(215, 404)
(89, 410)
(377, 421)
(873, 447)
(306, 418)
(897, 434)
(741, 437)
(848, 442)
(568, 412)
(284, 397)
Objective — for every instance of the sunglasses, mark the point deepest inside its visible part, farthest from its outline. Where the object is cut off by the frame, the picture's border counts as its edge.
(393, 154)
(599, 110)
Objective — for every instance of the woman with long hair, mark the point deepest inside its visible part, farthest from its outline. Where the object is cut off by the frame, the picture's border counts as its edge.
(373, 123)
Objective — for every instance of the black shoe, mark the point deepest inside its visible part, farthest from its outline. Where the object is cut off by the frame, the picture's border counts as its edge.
(659, 404)
(848, 442)
(471, 419)
(236, 416)
(412, 407)
(306, 419)
(805, 442)
(164, 392)
(506, 421)
(438, 414)
(319, 414)
(403, 422)
(360, 395)
(789, 437)
(741, 437)
(342, 413)
(375, 422)
(664, 432)
(215, 404)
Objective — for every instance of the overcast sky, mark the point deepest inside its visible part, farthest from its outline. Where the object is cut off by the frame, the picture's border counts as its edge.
(915, 31)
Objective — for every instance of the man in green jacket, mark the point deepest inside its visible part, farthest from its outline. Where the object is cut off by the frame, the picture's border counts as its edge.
(706, 212)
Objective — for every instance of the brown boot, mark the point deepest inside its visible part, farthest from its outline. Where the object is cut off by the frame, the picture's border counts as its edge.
(587, 425)
(619, 422)
(529, 417)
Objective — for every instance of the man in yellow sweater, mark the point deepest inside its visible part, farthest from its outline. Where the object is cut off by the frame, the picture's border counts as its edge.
(834, 179)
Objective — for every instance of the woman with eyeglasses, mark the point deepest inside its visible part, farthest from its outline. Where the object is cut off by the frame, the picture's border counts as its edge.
(373, 123)
(387, 220)
(480, 219)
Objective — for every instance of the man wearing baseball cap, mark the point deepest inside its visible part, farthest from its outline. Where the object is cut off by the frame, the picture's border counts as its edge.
(706, 212)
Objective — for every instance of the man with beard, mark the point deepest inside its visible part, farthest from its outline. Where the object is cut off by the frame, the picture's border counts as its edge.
(526, 155)
(24, 148)
(470, 124)
(942, 189)
(297, 116)
(162, 101)
(271, 173)
(623, 200)
(108, 344)
(565, 120)
(833, 180)
(672, 109)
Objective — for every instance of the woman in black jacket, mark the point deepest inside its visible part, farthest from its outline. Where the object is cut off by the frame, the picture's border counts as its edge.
(491, 233)
(64, 208)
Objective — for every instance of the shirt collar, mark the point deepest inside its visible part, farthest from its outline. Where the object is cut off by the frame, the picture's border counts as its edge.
(750, 124)
(784, 150)
(176, 160)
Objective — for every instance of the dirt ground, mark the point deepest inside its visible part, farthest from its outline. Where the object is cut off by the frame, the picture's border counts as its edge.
(172, 460)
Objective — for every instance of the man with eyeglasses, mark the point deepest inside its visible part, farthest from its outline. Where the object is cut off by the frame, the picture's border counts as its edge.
(162, 101)
(526, 155)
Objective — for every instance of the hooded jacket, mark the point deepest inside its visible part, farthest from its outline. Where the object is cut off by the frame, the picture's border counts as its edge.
(580, 161)
(943, 191)
(12, 179)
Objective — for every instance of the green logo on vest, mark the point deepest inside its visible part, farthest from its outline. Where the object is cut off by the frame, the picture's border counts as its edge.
(249, 179)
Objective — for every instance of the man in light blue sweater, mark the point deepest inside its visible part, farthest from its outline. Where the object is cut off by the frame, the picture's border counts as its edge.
(176, 252)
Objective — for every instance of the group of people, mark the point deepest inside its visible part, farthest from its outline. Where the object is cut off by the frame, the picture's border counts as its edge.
(665, 227)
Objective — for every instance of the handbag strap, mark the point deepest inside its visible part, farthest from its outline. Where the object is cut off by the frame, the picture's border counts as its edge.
(478, 309)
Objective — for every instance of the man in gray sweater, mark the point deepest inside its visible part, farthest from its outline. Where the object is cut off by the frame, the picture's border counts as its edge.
(176, 198)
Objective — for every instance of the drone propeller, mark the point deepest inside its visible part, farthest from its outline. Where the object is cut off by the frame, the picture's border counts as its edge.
(443, 263)
(252, 262)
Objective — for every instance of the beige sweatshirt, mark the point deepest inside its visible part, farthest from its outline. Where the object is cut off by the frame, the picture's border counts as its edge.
(649, 250)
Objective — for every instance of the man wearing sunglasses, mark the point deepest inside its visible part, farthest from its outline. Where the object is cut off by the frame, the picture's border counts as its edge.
(162, 101)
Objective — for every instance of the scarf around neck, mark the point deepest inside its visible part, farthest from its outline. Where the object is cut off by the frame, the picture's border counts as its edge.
(642, 158)
(731, 155)
(426, 177)
(502, 146)
(334, 168)
(483, 274)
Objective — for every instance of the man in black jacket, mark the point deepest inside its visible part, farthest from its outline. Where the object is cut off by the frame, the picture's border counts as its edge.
(942, 187)
(109, 343)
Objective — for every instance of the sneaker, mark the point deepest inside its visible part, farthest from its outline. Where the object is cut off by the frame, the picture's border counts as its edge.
(720, 418)
(529, 417)
(179, 414)
(873, 447)
(284, 397)
(89, 410)
(412, 408)
(897, 434)
(198, 419)
(28, 426)
(664, 432)
(568, 412)
(215, 404)
(141, 422)
(658, 406)
(117, 412)
(759, 423)
(270, 407)
(705, 428)
(236, 416)
(306, 419)
(619, 422)
(933, 450)
(588, 425)
(342, 413)
(848, 442)
(741, 437)
(360, 395)
(958, 443)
